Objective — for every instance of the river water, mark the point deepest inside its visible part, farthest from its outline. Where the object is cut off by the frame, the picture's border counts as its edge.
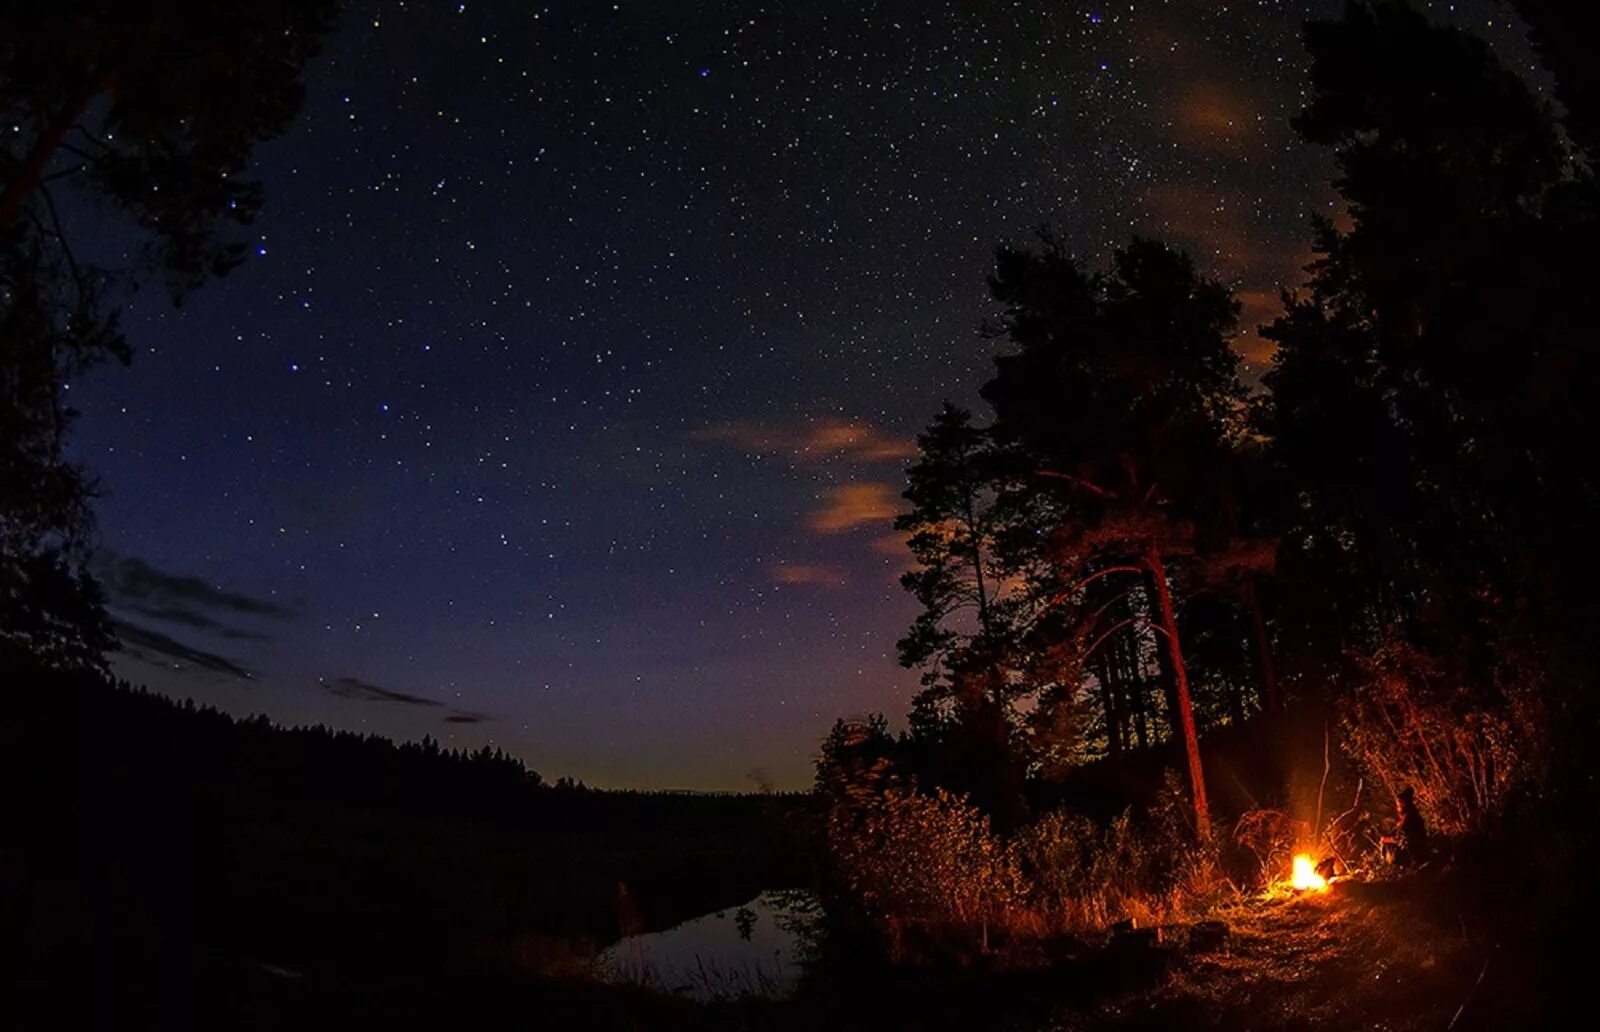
(752, 950)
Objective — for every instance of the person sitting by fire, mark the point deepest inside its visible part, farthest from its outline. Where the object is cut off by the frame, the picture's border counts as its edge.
(1408, 846)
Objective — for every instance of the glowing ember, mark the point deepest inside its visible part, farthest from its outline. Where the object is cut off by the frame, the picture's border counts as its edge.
(1305, 875)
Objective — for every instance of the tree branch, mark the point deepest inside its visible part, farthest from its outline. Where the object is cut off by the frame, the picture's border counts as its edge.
(1098, 613)
(50, 138)
(1148, 626)
(1080, 585)
(61, 235)
(1087, 485)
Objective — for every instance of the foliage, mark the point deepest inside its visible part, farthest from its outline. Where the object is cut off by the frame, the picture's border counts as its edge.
(926, 861)
(1083, 877)
(50, 616)
(1429, 388)
(1462, 746)
(1045, 538)
(856, 760)
(151, 112)
(930, 872)
(155, 108)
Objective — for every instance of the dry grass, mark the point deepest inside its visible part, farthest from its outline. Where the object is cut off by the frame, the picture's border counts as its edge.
(1382, 955)
(935, 879)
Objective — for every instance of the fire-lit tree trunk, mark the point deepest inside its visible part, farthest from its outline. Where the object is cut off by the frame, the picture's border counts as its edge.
(1104, 674)
(1167, 678)
(1168, 625)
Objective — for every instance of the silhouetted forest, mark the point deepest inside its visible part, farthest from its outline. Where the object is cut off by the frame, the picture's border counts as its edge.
(121, 724)
(152, 846)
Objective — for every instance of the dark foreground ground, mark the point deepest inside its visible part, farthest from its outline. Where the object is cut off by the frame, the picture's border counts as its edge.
(162, 867)
(146, 882)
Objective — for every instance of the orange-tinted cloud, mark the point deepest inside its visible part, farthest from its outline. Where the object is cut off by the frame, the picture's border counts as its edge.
(1256, 308)
(1211, 222)
(802, 573)
(892, 545)
(849, 506)
(815, 440)
(1211, 114)
(858, 441)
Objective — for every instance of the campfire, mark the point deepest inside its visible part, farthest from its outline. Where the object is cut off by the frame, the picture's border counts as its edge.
(1304, 877)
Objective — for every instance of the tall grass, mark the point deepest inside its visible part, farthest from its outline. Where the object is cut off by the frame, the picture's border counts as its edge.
(931, 874)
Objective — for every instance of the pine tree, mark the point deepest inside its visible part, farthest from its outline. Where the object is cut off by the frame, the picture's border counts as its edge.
(1120, 390)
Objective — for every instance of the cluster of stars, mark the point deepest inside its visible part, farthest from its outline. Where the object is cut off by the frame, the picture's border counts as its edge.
(525, 259)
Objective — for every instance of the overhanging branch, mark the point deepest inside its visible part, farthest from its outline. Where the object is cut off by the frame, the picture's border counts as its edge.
(1077, 481)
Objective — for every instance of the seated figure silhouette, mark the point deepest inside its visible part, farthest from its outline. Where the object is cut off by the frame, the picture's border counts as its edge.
(1408, 845)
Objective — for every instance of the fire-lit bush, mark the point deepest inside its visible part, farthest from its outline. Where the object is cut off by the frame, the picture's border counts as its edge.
(927, 868)
(928, 862)
(1082, 876)
(1462, 743)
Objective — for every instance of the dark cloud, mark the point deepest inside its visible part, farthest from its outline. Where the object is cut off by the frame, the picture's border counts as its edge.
(366, 691)
(160, 649)
(134, 583)
(355, 688)
(198, 620)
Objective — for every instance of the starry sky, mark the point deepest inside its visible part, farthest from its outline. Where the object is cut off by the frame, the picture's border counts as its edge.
(564, 401)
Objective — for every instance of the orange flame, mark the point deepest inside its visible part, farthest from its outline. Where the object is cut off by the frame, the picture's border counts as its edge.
(1305, 876)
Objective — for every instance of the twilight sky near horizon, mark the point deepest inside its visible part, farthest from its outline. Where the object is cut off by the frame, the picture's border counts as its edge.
(564, 401)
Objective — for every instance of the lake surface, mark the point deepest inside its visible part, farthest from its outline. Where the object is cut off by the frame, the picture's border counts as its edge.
(753, 950)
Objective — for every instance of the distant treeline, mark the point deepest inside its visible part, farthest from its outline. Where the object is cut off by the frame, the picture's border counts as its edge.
(131, 728)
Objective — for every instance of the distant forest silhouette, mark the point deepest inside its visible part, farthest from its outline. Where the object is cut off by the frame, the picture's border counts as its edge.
(120, 723)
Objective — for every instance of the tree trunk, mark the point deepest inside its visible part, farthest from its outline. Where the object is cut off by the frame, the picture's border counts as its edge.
(1271, 701)
(1164, 667)
(1108, 702)
(1133, 676)
(1180, 688)
(977, 566)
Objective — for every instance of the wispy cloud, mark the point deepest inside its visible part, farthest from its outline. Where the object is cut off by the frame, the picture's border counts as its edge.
(195, 619)
(137, 592)
(892, 545)
(134, 583)
(366, 691)
(824, 439)
(849, 506)
(355, 688)
(821, 576)
(163, 650)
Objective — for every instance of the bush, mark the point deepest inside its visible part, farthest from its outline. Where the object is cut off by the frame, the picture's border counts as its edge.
(931, 865)
(1083, 877)
(1463, 744)
(924, 861)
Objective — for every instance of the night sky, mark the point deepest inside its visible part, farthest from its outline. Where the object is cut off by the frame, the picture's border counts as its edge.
(564, 400)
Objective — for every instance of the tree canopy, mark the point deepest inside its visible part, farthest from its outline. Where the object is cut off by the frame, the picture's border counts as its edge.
(152, 110)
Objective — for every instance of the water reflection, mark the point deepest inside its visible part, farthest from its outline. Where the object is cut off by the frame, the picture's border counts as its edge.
(752, 950)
